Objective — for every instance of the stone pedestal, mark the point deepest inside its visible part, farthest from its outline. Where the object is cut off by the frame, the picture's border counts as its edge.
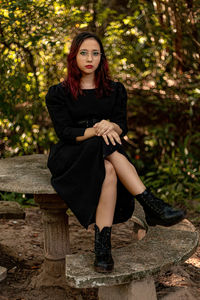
(29, 174)
(135, 290)
(56, 240)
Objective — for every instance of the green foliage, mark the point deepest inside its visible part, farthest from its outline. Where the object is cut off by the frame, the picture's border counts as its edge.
(151, 48)
(176, 178)
(22, 199)
(171, 166)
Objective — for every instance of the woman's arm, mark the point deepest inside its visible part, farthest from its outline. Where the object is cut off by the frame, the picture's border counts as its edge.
(112, 136)
(60, 116)
(89, 132)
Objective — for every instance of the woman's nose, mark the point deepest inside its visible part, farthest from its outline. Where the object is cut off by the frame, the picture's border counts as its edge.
(89, 56)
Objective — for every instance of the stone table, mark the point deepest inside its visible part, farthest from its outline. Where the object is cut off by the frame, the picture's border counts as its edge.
(29, 174)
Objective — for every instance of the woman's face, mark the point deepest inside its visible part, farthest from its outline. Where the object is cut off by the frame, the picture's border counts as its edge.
(88, 56)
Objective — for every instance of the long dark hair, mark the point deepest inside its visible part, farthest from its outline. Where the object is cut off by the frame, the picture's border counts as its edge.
(102, 75)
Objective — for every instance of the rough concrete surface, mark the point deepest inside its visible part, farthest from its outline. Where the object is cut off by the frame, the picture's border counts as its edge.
(11, 210)
(26, 174)
(160, 249)
(136, 290)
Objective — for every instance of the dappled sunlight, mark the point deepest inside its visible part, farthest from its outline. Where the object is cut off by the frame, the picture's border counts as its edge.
(194, 261)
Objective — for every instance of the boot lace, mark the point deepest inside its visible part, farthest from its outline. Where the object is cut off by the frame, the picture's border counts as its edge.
(156, 204)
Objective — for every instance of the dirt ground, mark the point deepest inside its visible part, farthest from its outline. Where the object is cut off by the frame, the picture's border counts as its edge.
(21, 252)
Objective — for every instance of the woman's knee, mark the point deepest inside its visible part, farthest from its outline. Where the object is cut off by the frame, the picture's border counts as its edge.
(111, 175)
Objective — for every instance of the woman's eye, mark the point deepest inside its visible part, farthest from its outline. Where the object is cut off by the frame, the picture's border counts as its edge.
(84, 53)
(95, 53)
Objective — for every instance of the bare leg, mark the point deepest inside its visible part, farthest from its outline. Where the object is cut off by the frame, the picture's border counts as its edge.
(107, 201)
(126, 173)
(155, 208)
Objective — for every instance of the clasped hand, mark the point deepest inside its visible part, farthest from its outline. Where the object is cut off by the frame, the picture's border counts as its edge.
(106, 129)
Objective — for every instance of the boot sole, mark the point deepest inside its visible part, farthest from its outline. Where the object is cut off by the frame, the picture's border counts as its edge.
(102, 270)
(154, 222)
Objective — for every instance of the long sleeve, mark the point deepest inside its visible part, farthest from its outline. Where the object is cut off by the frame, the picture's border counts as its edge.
(58, 111)
(119, 114)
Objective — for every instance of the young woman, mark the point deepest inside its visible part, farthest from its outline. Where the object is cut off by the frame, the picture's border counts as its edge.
(90, 168)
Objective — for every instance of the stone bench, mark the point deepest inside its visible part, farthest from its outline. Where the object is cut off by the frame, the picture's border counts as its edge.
(157, 248)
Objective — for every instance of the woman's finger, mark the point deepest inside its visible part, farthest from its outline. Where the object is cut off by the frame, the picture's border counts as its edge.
(115, 136)
(104, 124)
(111, 139)
(102, 131)
(108, 130)
(105, 139)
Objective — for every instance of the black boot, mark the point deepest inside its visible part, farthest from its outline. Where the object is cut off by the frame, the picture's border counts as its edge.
(103, 258)
(157, 212)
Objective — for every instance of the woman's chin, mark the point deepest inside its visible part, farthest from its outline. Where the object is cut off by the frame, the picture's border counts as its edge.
(88, 71)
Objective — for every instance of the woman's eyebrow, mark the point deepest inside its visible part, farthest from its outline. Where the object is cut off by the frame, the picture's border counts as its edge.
(92, 50)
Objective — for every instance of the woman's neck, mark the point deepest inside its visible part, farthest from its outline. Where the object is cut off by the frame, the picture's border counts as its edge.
(87, 82)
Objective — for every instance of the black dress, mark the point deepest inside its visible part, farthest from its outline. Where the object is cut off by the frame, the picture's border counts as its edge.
(77, 168)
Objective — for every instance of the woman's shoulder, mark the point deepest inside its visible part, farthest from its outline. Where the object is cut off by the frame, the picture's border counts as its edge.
(55, 91)
(119, 88)
(56, 88)
(117, 84)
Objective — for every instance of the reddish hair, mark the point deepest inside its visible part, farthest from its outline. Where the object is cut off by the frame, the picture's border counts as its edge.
(102, 75)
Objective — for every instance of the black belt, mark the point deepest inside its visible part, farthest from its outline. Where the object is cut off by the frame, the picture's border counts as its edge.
(87, 123)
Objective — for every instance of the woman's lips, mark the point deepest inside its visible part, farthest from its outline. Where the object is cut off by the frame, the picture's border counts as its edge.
(89, 66)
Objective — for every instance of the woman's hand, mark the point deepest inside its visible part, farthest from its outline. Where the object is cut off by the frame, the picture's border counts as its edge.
(103, 127)
(113, 136)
